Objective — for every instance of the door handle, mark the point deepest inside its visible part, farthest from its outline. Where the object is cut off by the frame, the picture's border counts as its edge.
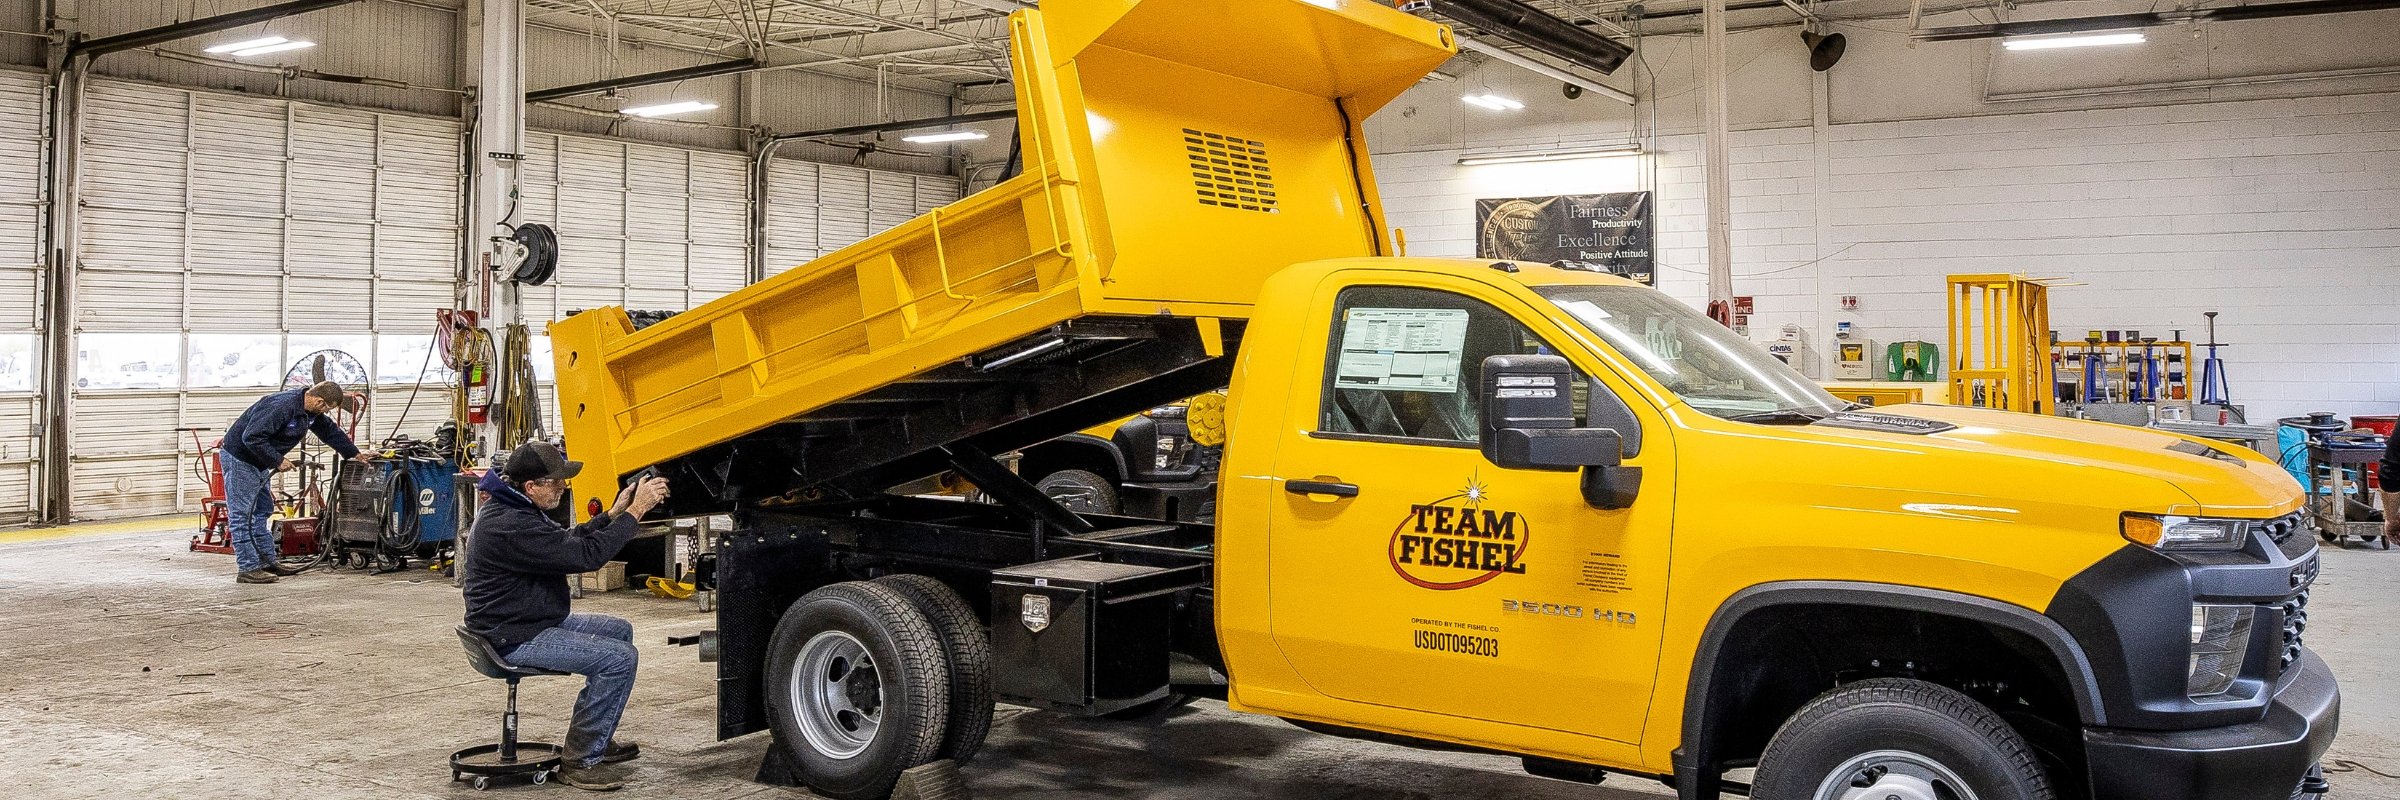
(1335, 488)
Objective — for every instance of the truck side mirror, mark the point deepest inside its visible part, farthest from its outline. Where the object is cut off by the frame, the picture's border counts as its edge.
(1529, 417)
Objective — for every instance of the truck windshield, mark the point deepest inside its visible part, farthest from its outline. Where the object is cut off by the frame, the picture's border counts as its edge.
(1703, 362)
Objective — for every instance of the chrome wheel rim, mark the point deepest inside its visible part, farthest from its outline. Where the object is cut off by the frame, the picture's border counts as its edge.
(838, 694)
(1893, 775)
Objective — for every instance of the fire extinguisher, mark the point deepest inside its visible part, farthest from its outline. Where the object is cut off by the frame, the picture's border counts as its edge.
(479, 391)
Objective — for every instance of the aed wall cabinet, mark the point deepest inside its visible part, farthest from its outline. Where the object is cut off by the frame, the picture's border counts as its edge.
(1083, 637)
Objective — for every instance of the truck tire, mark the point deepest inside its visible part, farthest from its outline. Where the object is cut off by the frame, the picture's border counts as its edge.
(1080, 490)
(857, 689)
(970, 649)
(1892, 737)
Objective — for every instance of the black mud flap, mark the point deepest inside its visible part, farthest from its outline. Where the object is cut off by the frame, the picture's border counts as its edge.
(760, 572)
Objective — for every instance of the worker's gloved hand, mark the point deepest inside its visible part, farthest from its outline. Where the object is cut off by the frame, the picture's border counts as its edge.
(647, 495)
(364, 457)
(286, 466)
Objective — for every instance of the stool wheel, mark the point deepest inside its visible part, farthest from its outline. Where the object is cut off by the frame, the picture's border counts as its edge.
(536, 761)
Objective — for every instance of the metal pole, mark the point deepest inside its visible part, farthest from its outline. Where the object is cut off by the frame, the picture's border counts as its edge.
(59, 277)
(496, 31)
(901, 125)
(1716, 153)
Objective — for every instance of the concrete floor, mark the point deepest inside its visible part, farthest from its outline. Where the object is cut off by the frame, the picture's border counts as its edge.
(138, 669)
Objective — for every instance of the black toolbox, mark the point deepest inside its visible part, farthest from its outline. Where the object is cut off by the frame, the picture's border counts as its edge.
(1082, 637)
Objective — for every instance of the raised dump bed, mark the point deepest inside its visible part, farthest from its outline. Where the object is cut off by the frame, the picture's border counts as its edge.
(1168, 174)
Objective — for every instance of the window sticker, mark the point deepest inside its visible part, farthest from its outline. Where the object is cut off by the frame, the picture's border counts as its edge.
(1402, 349)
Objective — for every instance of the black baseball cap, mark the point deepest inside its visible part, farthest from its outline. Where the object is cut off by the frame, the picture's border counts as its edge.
(537, 460)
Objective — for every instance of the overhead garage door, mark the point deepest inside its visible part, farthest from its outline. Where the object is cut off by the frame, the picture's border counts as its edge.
(224, 237)
(21, 96)
(640, 226)
(814, 209)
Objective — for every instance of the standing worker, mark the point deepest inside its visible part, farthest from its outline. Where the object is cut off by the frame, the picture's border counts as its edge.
(518, 560)
(256, 447)
(2387, 477)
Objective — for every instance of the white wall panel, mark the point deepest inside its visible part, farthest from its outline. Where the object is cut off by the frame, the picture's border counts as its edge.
(648, 227)
(2274, 212)
(209, 215)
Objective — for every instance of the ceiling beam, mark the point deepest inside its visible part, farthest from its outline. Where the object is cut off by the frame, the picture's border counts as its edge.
(222, 22)
(733, 67)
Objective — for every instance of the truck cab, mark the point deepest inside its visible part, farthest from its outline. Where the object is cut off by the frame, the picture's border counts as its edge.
(2130, 602)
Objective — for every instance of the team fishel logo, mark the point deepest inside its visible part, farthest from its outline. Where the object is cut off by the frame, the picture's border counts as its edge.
(1459, 542)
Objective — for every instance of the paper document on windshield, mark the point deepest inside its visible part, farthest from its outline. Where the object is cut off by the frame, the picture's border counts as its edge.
(1401, 349)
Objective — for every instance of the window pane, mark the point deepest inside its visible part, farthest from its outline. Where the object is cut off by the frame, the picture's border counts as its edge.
(128, 360)
(222, 360)
(348, 367)
(407, 358)
(1409, 363)
(19, 362)
(538, 349)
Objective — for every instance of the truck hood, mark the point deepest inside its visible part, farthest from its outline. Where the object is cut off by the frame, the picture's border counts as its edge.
(2223, 479)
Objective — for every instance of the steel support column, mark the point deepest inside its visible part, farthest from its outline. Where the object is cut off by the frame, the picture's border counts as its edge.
(495, 35)
(1716, 153)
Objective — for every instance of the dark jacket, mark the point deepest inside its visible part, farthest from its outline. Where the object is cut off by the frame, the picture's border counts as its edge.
(2387, 474)
(518, 560)
(274, 425)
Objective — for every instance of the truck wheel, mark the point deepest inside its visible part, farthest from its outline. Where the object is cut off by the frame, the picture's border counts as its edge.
(857, 685)
(1080, 490)
(970, 650)
(1895, 739)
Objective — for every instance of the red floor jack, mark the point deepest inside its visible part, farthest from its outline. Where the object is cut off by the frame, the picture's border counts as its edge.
(296, 525)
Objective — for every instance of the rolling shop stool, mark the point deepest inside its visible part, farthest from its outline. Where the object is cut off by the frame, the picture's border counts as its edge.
(509, 757)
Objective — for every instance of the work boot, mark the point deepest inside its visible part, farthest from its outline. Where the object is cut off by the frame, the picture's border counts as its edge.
(278, 568)
(255, 576)
(621, 750)
(594, 778)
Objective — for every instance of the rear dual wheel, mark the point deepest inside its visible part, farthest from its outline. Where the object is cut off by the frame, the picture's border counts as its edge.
(1896, 739)
(858, 688)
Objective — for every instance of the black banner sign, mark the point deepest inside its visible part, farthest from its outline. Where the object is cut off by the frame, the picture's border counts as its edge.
(1612, 231)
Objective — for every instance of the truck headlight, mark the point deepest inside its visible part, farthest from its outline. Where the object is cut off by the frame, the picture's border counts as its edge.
(2185, 533)
(2220, 641)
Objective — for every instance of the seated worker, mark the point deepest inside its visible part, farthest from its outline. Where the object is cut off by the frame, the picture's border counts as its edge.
(256, 447)
(517, 565)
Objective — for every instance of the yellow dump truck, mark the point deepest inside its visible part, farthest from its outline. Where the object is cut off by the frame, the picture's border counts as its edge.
(1503, 507)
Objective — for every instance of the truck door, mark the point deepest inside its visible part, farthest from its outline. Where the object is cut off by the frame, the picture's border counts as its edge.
(1410, 572)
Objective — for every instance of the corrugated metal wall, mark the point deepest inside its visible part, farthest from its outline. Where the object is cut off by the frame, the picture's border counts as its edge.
(642, 226)
(814, 209)
(225, 236)
(21, 96)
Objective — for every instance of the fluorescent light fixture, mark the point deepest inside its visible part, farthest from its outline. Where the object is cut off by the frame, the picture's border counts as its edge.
(1605, 151)
(945, 136)
(2091, 40)
(666, 109)
(1492, 101)
(245, 45)
(272, 48)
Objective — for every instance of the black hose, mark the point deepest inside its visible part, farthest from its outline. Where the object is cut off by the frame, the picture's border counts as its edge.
(403, 524)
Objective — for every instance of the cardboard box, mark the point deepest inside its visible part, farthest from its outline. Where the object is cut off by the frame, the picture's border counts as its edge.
(608, 578)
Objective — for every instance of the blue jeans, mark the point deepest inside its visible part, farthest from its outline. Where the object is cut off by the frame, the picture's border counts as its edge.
(600, 648)
(248, 504)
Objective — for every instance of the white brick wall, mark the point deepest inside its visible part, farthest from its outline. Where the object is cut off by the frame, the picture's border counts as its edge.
(2283, 214)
